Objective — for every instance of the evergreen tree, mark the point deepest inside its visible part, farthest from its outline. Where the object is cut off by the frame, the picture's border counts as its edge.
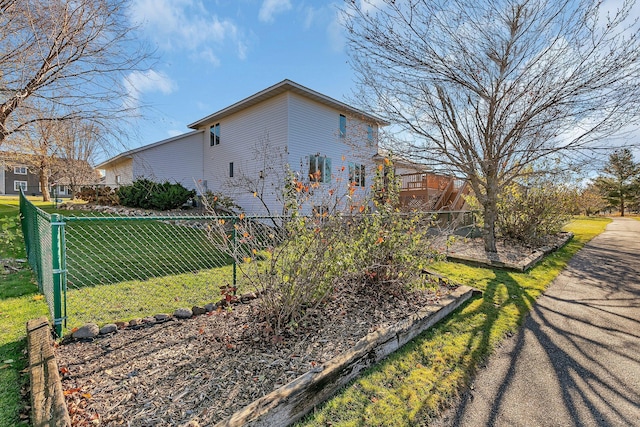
(618, 182)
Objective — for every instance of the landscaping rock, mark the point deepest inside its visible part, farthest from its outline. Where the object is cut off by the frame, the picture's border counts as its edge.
(149, 320)
(108, 328)
(183, 313)
(121, 325)
(197, 310)
(135, 322)
(248, 296)
(161, 317)
(210, 307)
(90, 330)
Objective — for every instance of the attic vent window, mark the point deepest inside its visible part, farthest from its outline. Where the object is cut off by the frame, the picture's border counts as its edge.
(215, 134)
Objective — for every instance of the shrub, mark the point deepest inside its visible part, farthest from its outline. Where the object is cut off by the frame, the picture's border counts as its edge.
(296, 265)
(532, 209)
(105, 196)
(146, 194)
(219, 203)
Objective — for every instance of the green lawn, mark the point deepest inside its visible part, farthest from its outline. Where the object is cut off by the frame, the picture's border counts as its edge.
(103, 251)
(414, 384)
(19, 302)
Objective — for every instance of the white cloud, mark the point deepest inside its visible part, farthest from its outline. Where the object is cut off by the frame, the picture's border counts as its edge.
(186, 25)
(371, 5)
(270, 8)
(138, 83)
(335, 31)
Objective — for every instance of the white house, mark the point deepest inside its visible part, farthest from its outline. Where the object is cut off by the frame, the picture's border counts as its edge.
(243, 150)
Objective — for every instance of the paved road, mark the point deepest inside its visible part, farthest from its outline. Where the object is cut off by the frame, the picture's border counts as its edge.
(576, 362)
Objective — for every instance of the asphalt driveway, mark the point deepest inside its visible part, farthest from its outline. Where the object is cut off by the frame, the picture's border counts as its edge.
(576, 362)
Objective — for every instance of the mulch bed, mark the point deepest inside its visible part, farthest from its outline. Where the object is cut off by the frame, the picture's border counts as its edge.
(203, 369)
(510, 251)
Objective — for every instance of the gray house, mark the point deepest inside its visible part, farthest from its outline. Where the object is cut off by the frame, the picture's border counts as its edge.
(16, 174)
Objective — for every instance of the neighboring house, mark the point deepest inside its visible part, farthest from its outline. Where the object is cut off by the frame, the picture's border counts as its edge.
(15, 173)
(249, 145)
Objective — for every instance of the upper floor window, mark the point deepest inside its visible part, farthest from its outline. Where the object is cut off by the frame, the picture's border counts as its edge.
(319, 168)
(370, 134)
(343, 125)
(215, 134)
(356, 174)
(20, 170)
(230, 169)
(118, 179)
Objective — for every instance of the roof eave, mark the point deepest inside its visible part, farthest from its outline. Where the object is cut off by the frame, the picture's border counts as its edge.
(278, 88)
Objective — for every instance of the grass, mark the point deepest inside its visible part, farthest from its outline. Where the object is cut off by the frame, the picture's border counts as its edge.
(414, 384)
(135, 298)
(104, 251)
(19, 302)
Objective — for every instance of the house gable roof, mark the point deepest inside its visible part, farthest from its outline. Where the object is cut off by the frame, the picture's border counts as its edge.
(130, 153)
(277, 89)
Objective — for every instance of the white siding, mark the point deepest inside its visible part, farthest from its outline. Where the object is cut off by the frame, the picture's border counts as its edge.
(254, 139)
(177, 161)
(314, 129)
(122, 168)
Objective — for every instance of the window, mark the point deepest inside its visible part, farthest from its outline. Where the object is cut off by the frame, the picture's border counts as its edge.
(17, 185)
(319, 168)
(370, 134)
(230, 169)
(356, 174)
(215, 134)
(118, 179)
(20, 170)
(343, 126)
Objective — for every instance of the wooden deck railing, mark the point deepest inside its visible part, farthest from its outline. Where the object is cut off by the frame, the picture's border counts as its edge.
(431, 191)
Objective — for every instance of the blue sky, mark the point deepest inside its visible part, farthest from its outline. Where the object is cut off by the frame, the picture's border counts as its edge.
(212, 53)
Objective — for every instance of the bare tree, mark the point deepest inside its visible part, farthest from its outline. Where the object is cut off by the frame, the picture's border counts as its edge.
(487, 87)
(69, 58)
(264, 177)
(77, 145)
(37, 148)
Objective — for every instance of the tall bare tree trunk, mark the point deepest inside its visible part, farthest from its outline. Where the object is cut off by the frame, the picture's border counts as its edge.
(490, 205)
(44, 184)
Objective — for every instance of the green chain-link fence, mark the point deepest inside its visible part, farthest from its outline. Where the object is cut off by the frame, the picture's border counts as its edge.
(42, 242)
(104, 268)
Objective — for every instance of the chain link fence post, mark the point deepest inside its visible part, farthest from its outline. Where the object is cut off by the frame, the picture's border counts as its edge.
(58, 262)
(234, 239)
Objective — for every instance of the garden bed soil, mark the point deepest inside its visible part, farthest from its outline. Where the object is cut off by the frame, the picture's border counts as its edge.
(204, 369)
